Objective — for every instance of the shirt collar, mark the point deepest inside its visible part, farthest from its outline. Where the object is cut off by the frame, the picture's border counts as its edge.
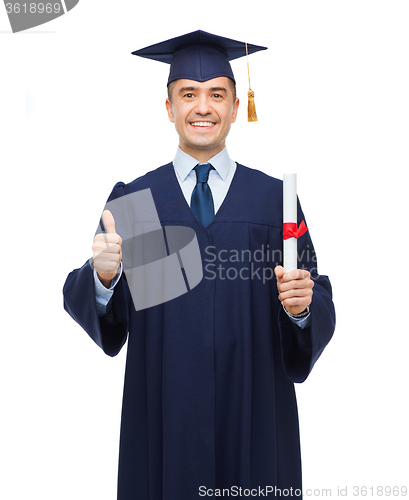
(184, 163)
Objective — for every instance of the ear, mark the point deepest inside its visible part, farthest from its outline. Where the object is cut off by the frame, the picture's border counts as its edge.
(235, 110)
(169, 109)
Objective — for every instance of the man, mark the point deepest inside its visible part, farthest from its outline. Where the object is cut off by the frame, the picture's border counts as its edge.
(209, 403)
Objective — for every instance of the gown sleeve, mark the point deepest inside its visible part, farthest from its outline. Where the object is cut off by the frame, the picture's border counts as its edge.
(110, 331)
(302, 347)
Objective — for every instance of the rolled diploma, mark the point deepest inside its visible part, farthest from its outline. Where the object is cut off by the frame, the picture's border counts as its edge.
(290, 215)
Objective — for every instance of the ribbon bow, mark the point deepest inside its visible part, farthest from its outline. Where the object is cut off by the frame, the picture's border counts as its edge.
(290, 230)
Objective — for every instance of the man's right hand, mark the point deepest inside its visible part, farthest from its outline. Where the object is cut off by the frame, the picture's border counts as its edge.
(107, 251)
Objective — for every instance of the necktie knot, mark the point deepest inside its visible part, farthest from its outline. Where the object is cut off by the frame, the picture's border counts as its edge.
(202, 171)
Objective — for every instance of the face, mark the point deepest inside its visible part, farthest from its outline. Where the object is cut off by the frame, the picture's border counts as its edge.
(202, 113)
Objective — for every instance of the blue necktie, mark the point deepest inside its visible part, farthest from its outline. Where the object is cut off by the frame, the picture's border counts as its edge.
(202, 199)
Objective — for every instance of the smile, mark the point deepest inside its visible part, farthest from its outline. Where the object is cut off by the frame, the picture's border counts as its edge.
(202, 124)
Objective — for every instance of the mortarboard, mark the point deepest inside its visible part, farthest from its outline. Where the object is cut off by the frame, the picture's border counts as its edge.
(200, 56)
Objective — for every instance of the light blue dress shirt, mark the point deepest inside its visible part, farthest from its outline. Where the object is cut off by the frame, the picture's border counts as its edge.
(219, 179)
(219, 182)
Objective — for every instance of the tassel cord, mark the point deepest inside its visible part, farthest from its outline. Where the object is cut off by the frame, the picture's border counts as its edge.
(251, 109)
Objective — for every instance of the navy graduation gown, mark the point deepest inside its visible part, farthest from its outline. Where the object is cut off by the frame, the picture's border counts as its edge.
(209, 398)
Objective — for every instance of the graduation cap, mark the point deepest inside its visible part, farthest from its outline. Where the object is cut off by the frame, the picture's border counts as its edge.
(201, 56)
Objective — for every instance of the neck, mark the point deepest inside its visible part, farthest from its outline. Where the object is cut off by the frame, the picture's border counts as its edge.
(201, 155)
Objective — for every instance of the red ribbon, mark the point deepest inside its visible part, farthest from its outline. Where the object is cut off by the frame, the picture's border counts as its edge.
(290, 230)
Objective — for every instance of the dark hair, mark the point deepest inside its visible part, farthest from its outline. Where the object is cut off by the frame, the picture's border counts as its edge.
(232, 87)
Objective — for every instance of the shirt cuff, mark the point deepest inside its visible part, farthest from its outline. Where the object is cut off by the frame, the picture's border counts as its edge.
(103, 295)
(302, 322)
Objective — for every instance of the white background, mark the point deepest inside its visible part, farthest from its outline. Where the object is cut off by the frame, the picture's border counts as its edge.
(79, 112)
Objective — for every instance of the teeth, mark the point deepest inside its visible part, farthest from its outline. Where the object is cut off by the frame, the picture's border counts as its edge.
(203, 124)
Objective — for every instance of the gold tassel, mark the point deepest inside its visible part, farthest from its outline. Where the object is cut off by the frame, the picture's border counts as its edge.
(251, 108)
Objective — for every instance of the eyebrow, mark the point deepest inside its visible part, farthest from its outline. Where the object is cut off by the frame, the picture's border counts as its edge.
(218, 89)
(186, 89)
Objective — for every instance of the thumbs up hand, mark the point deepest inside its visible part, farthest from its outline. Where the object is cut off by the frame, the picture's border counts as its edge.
(107, 251)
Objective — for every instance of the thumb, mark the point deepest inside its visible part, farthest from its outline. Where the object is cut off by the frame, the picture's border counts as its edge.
(279, 271)
(109, 221)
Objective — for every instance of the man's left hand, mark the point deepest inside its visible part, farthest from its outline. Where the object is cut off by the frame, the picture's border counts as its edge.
(294, 289)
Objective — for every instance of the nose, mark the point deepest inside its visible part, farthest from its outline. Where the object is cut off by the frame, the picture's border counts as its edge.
(203, 106)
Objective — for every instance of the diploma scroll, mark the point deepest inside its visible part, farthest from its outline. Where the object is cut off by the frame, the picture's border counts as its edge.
(290, 217)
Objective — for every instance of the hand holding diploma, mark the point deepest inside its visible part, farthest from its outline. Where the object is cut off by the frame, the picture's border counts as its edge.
(294, 289)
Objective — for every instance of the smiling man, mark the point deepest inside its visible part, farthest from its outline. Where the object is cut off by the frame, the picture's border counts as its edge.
(209, 406)
(202, 113)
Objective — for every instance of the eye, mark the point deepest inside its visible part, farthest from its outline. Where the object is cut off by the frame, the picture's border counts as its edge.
(188, 96)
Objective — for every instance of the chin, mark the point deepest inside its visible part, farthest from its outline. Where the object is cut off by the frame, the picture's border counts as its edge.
(201, 145)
